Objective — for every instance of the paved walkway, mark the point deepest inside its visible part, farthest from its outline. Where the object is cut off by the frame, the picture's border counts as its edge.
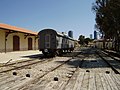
(18, 55)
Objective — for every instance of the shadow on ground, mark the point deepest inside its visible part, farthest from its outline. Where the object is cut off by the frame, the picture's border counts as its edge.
(34, 56)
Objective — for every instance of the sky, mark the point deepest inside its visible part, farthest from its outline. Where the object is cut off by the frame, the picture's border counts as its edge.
(61, 15)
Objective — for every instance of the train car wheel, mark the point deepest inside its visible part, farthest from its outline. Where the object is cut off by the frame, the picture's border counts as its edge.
(54, 53)
(45, 53)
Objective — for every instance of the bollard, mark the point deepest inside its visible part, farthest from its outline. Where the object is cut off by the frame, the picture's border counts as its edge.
(87, 71)
(14, 73)
(27, 75)
(55, 78)
(107, 72)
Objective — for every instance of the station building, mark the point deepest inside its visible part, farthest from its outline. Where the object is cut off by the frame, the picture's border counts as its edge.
(17, 39)
(100, 43)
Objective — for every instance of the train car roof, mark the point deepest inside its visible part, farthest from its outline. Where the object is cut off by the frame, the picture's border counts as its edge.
(64, 35)
(58, 33)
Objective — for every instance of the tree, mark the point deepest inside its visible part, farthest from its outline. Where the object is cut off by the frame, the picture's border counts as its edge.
(87, 40)
(107, 19)
(81, 39)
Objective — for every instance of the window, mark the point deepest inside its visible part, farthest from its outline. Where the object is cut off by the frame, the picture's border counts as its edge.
(47, 41)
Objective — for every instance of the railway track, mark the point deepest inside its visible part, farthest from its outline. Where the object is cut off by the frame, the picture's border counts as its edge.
(112, 55)
(83, 70)
(18, 62)
(20, 79)
(42, 79)
(51, 76)
(25, 63)
(111, 61)
(38, 76)
(93, 75)
(22, 64)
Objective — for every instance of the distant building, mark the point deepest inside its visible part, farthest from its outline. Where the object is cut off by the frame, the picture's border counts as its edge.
(91, 36)
(95, 35)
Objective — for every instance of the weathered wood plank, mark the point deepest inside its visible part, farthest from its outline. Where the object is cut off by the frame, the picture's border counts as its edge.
(116, 78)
(107, 83)
(39, 86)
(78, 82)
(92, 85)
(50, 85)
(103, 81)
(85, 82)
(111, 82)
(4, 78)
(60, 86)
(72, 81)
(98, 82)
(8, 80)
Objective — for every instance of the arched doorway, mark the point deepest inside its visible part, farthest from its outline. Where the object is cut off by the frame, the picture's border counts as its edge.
(29, 43)
(16, 43)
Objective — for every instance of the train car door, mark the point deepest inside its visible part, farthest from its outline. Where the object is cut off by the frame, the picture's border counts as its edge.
(47, 41)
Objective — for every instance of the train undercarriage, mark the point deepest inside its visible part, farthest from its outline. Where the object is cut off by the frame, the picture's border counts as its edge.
(56, 52)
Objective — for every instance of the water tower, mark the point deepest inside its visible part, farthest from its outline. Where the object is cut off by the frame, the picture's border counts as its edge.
(70, 34)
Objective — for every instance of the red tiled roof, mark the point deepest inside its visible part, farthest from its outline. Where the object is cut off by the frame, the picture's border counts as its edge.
(13, 28)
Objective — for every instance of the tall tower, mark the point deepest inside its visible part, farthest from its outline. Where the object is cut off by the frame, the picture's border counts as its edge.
(70, 34)
(91, 36)
(95, 35)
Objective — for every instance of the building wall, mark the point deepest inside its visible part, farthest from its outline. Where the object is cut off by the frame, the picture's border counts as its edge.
(9, 42)
(99, 44)
(2, 40)
(36, 44)
(108, 45)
